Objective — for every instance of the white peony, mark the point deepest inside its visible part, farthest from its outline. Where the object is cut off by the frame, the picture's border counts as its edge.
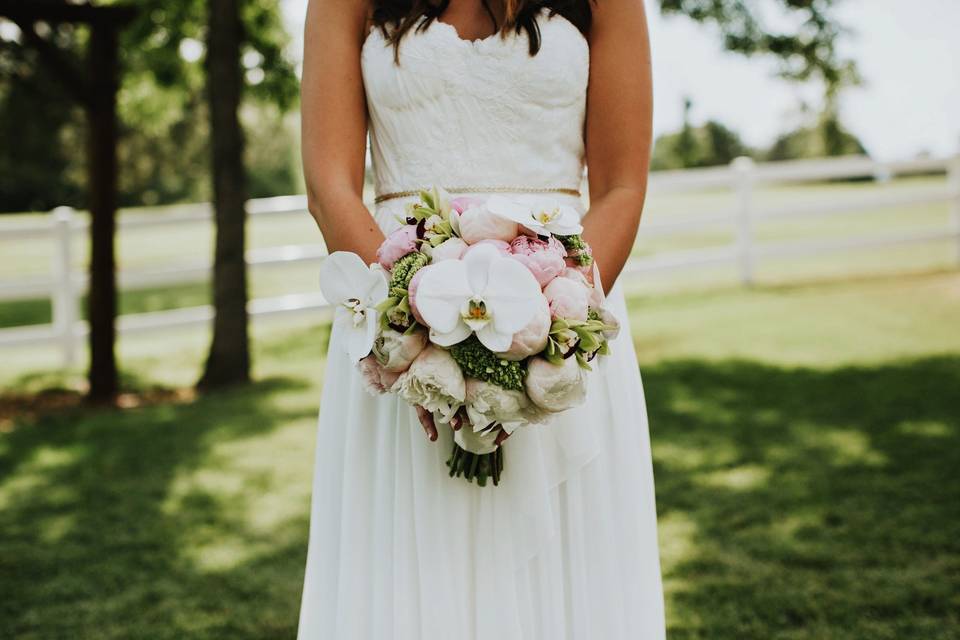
(354, 289)
(486, 293)
(433, 381)
(395, 350)
(488, 404)
(556, 387)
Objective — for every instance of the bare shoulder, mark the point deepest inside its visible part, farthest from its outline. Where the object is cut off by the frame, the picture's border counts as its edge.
(344, 19)
(617, 19)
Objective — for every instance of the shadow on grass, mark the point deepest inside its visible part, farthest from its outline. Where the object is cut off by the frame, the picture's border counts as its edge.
(794, 504)
(148, 523)
(803, 503)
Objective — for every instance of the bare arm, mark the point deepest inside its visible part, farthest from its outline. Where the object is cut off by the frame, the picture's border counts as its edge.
(618, 131)
(334, 126)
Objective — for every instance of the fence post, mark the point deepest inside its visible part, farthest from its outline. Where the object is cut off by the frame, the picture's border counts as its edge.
(953, 180)
(744, 170)
(64, 300)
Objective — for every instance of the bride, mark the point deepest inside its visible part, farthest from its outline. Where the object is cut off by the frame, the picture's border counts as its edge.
(480, 96)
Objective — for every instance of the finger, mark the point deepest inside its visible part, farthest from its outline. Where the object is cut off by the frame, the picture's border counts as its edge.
(503, 435)
(426, 419)
(458, 420)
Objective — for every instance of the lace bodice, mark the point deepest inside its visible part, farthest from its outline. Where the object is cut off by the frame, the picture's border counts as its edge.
(483, 112)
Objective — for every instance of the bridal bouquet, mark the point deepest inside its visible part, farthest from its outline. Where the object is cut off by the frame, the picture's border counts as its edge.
(484, 311)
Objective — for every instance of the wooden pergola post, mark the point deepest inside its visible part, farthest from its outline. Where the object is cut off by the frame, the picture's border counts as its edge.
(96, 89)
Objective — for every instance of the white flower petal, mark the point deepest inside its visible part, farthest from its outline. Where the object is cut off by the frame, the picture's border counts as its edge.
(493, 339)
(512, 295)
(478, 264)
(479, 443)
(360, 338)
(459, 333)
(518, 211)
(343, 275)
(441, 292)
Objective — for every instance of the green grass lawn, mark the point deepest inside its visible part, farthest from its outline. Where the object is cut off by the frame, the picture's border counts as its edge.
(806, 443)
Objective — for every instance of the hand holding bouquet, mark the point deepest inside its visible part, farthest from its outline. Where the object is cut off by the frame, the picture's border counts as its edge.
(485, 312)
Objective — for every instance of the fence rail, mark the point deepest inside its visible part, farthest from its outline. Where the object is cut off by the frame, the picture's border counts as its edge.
(64, 286)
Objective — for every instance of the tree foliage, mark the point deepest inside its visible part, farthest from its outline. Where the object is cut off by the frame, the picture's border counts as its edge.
(164, 146)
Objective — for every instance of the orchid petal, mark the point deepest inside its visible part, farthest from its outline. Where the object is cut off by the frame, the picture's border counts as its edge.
(441, 292)
(478, 264)
(360, 338)
(517, 211)
(458, 334)
(512, 295)
(343, 275)
(493, 339)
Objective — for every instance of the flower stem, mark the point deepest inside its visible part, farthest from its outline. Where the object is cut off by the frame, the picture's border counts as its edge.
(476, 467)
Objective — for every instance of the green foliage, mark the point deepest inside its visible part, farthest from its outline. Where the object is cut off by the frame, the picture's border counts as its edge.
(164, 147)
(828, 137)
(706, 146)
(479, 362)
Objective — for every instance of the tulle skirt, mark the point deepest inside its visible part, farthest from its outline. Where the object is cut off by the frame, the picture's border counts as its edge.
(564, 548)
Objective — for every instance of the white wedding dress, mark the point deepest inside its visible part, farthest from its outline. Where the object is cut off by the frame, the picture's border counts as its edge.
(566, 546)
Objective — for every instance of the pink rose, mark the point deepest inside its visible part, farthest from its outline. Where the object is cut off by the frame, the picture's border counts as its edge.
(477, 223)
(449, 249)
(397, 244)
(499, 245)
(532, 339)
(376, 379)
(568, 298)
(544, 258)
(412, 296)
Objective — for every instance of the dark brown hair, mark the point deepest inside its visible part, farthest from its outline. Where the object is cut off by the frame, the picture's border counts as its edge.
(519, 15)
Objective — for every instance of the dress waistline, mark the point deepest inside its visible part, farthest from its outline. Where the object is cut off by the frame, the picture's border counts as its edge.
(403, 194)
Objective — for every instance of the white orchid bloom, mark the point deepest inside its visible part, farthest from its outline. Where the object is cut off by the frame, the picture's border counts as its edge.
(354, 289)
(541, 215)
(486, 293)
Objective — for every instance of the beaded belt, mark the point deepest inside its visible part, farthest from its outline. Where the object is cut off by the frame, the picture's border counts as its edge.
(402, 194)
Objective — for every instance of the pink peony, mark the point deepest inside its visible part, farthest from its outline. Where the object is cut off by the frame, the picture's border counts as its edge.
(376, 379)
(499, 245)
(477, 223)
(555, 387)
(463, 203)
(397, 244)
(532, 339)
(575, 274)
(449, 249)
(568, 298)
(412, 296)
(544, 258)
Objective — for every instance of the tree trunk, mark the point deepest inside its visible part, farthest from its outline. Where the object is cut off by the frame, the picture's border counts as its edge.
(229, 359)
(102, 172)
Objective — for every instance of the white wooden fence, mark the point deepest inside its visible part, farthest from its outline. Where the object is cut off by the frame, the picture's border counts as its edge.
(64, 287)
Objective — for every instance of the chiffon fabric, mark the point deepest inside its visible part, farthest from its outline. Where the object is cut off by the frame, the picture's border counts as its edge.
(566, 546)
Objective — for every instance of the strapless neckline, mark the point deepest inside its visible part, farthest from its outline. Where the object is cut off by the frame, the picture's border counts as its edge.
(477, 45)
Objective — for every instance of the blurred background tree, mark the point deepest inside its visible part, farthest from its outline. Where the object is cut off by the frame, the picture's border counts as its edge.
(165, 136)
